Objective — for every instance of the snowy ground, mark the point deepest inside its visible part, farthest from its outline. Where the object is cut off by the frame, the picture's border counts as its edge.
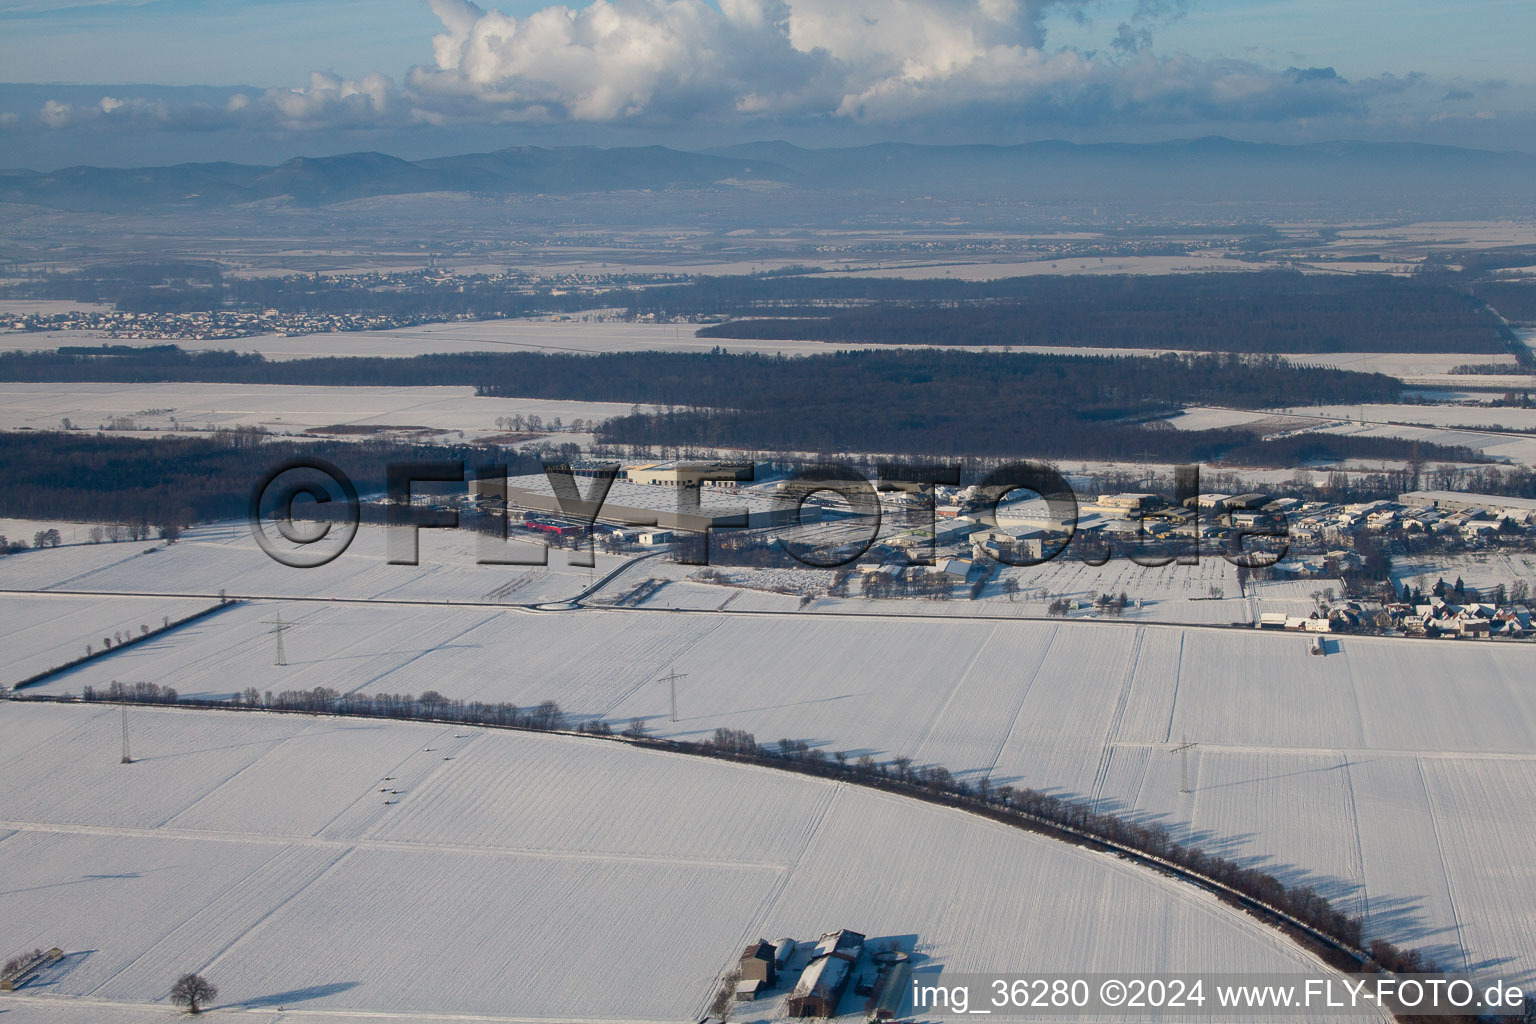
(551, 335)
(224, 557)
(26, 529)
(1404, 365)
(1398, 776)
(514, 877)
(279, 408)
(1475, 417)
(1386, 421)
(538, 335)
(1518, 449)
(1180, 594)
(1484, 570)
(40, 632)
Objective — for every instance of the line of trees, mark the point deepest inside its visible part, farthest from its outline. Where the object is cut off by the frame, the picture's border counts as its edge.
(324, 700)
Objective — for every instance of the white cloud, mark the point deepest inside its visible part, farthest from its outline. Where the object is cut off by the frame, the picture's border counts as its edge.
(616, 59)
(56, 114)
(329, 99)
(868, 60)
(876, 62)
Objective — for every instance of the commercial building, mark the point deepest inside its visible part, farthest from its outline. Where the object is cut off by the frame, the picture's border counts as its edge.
(1456, 501)
(690, 474)
(683, 509)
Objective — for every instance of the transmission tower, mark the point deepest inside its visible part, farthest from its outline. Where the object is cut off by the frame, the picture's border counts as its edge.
(1183, 750)
(127, 758)
(277, 630)
(672, 679)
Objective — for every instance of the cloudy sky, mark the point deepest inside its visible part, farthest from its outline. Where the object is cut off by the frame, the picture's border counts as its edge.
(128, 81)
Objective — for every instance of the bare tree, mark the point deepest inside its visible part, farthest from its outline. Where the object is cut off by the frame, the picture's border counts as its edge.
(191, 990)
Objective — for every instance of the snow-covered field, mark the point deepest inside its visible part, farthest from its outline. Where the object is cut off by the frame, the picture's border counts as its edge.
(48, 307)
(513, 877)
(547, 335)
(224, 557)
(1475, 417)
(279, 408)
(1404, 365)
(1172, 593)
(1387, 421)
(27, 529)
(1519, 449)
(40, 632)
(1194, 263)
(1343, 771)
(1481, 569)
(587, 336)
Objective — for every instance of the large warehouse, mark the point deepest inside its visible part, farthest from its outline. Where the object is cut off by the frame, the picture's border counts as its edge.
(1458, 501)
(690, 509)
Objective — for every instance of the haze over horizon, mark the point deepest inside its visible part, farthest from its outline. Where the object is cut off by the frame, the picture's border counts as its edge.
(264, 81)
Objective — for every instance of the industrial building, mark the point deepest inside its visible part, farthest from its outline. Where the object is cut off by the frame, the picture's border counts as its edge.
(690, 474)
(684, 509)
(1456, 501)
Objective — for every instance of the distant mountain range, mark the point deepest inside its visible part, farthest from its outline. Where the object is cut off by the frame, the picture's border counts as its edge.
(1199, 170)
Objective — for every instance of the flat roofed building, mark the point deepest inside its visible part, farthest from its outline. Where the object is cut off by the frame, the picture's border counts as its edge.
(1457, 501)
(690, 474)
(686, 509)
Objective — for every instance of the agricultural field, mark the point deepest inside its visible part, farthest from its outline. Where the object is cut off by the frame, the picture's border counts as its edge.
(27, 529)
(1516, 449)
(453, 412)
(1385, 421)
(224, 557)
(258, 850)
(541, 334)
(1476, 417)
(41, 632)
(1345, 771)
(1207, 593)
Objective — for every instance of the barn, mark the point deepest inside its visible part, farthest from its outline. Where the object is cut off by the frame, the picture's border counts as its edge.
(823, 983)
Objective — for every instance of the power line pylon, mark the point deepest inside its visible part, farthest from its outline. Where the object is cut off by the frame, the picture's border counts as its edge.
(277, 630)
(1183, 750)
(672, 679)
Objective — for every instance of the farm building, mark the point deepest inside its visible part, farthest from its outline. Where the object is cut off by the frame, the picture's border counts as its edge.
(757, 964)
(890, 989)
(822, 985)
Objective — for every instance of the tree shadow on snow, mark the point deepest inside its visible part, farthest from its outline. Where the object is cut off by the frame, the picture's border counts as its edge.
(297, 995)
